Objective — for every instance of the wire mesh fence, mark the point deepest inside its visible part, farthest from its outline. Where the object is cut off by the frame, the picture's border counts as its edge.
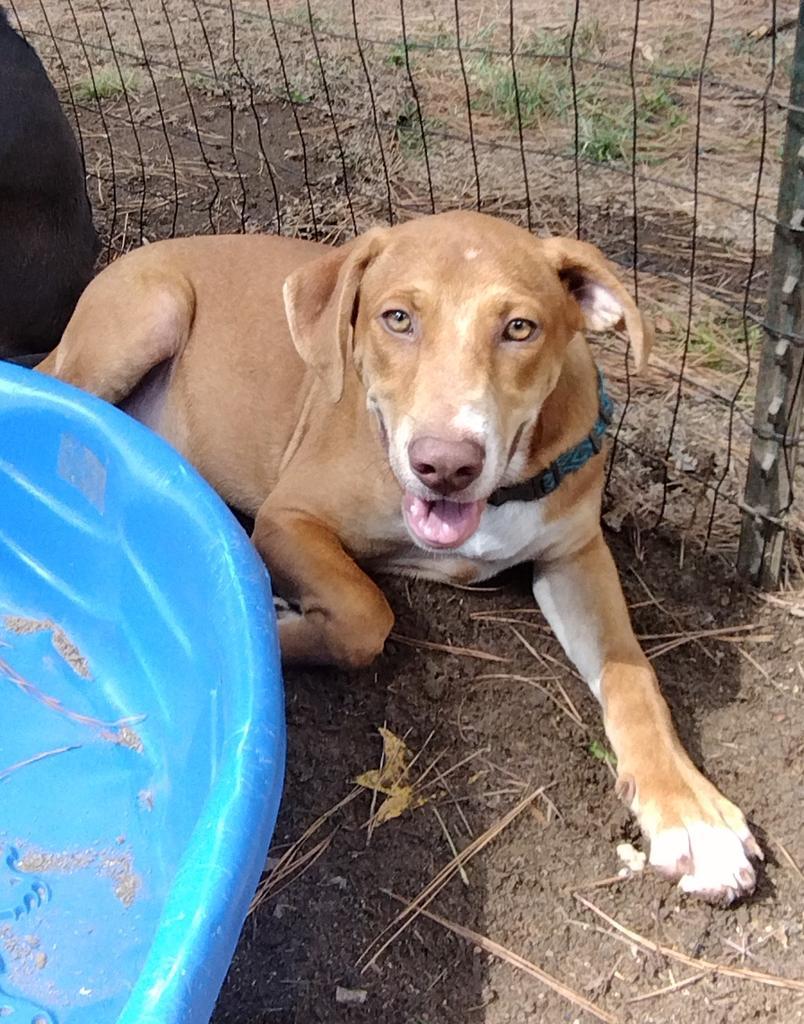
(652, 130)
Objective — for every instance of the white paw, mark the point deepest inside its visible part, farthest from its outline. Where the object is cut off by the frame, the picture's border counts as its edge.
(711, 861)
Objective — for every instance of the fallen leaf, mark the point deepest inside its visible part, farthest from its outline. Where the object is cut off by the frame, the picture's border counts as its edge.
(389, 780)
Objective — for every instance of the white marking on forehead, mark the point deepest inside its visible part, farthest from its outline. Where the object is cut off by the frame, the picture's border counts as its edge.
(471, 254)
(469, 420)
(464, 321)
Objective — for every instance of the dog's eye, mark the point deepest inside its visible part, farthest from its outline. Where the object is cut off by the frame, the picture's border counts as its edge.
(398, 321)
(519, 329)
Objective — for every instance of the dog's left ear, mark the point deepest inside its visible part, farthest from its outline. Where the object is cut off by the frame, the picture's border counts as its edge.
(603, 301)
(320, 300)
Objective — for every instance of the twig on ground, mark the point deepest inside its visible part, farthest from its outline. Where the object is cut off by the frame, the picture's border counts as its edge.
(510, 957)
(374, 795)
(440, 776)
(669, 988)
(292, 859)
(472, 588)
(746, 973)
(451, 844)
(562, 666)
(601, 883)
(490, 616)
(281, 877)
(574, 713)
(662, 607)
(431, 890)
(568, 709)
(694, 634)
(418, 754)
(724, 634)
(510, 620)
(793, 606)
(788, 856)
(461, 652)
(441, 779)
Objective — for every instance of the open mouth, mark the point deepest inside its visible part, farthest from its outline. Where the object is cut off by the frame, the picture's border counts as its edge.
(441, 523)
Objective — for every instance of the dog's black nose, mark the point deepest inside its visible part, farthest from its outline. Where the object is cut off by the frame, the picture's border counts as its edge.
(446, 466)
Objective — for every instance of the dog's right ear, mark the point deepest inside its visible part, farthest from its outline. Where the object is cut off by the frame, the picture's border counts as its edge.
(320, 299)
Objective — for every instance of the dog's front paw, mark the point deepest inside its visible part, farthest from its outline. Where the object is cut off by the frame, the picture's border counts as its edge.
(699, 838)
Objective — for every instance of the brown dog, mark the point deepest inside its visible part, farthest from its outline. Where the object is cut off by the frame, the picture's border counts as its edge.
(420, 400)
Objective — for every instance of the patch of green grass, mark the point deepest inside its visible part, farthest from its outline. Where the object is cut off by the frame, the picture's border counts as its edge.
(604, 137)
(299, 16)
(740, 42)
(440, 39)
(659, 107)
(590, 37)
(607, 133)
(687, 69)
(600, 752)
(717, 342)
(408, 130)
(482, 39)
(296, 94)
(544, 91)
(206, 83)
(543, 43)
(396, 55)
(106, 83)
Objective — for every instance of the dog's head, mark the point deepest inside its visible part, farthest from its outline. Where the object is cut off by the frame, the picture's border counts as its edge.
(457, 325)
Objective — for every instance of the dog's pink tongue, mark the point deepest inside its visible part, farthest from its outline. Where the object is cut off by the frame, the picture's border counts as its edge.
(442, 524)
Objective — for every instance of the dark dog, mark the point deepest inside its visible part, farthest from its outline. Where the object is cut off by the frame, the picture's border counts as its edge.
(47, 242)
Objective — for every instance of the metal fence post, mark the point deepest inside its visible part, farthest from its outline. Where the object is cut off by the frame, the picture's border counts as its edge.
(780, 387)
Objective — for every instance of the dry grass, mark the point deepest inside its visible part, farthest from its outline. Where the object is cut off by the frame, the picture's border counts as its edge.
(299, 856)
(284, 867)
(518, 962)
(461, 652)
(407, 916)
(220, 138)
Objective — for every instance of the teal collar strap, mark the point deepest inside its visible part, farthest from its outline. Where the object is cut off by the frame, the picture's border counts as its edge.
(570, 461)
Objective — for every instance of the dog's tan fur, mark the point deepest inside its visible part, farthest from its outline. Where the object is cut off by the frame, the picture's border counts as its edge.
(283, 384)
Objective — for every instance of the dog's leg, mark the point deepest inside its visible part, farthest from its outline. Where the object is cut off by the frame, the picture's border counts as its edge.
(123, 326)
(344, 618)
(695, 834)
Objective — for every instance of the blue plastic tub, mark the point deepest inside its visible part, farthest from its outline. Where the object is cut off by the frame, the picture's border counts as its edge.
(141, 718)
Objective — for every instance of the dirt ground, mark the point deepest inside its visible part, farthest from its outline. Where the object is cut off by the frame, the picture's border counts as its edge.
(737, 699)
(220, 149)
